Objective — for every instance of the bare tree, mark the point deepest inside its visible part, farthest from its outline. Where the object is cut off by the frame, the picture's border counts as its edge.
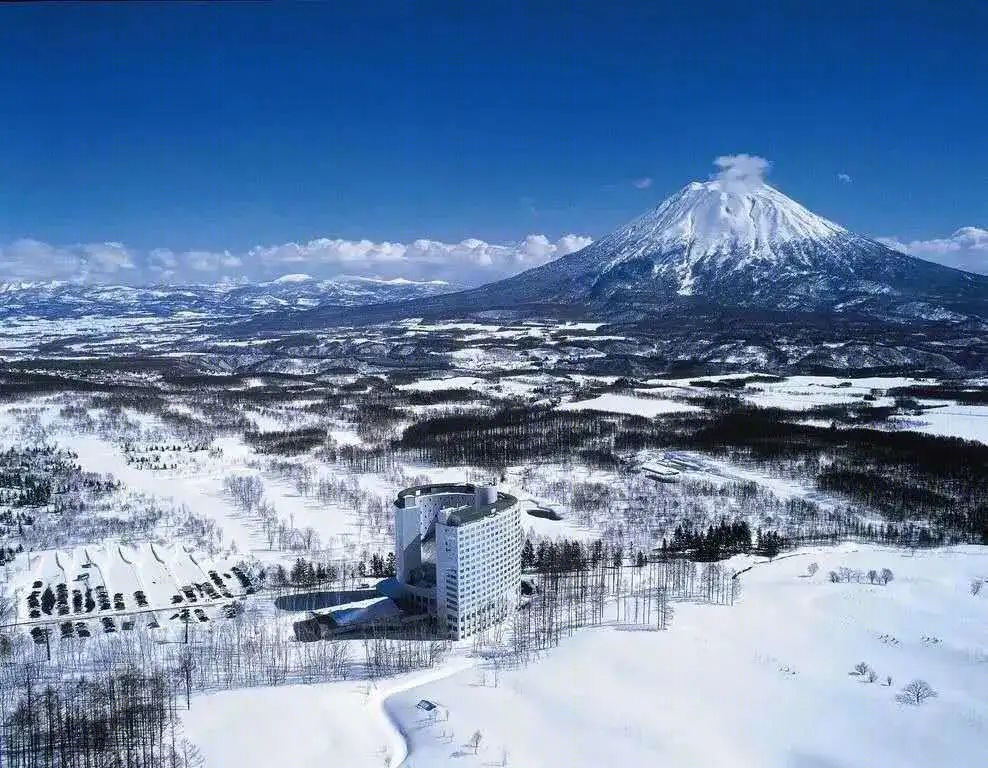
(191, 757)
(916, 693)
(811, 569)
(860, 669)
(6, 614)
(475, 741)
(886, 576)
(6, 605)
(976, 586)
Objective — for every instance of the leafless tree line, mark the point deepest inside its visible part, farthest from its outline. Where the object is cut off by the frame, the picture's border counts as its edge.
(873, 576)
(393, 655)
(124, 720)
(641, 596)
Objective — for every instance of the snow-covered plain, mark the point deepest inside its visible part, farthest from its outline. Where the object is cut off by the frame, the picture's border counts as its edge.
(792, 393)
(635, 406)
(290, 726)
(762, 683)
(969, 422)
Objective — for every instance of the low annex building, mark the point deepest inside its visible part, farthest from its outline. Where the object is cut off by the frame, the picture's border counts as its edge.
(458, 553)
(349, 617)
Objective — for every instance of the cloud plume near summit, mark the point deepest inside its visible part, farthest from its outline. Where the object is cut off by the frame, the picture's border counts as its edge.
(469, 262)
(741, 173)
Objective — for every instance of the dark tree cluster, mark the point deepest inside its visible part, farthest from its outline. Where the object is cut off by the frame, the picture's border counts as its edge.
(34, 492)
(898, 496)
(439, 396)
(305, 573)
(515, 435)
(360, 459)
(287, 442)
(945, 391)
(907, 476)
(561, 556)
(7, 554)
(380, 567)
(716, 543)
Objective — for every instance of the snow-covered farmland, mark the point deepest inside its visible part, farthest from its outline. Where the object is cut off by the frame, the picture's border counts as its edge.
(805, 392)
(792, 393)
(436, 385)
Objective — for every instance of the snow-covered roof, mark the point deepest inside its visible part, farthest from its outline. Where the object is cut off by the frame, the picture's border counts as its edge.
(364, 611)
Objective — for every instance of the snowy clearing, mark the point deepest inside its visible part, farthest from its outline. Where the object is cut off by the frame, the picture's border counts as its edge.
(969, 422)
(635, 406)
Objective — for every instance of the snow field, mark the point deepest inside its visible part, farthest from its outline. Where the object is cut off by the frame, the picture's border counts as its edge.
(298, 726)
(969, 422)
(634, 406)
(763, 683)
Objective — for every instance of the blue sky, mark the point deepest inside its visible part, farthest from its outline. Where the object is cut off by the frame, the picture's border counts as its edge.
(213, 130)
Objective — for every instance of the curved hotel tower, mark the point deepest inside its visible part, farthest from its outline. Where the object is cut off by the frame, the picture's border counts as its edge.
(458, 552)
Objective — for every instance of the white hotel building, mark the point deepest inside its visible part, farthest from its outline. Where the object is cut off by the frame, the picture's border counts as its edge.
(458, 552)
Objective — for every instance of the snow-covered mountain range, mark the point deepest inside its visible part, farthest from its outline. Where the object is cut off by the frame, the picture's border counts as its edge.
(291, 292)
(717, 254)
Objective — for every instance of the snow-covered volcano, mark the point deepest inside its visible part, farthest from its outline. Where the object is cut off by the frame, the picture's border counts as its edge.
(710, 224)
(724, 244)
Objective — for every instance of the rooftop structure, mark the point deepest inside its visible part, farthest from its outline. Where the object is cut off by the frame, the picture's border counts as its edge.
(487, 501)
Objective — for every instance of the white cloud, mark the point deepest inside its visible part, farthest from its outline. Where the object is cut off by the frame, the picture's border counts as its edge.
(107, 258)
(33, 260)
(966, 249)
(469, 262)
(844, 178)
(642, 183)
(741, 172)
(572, 244)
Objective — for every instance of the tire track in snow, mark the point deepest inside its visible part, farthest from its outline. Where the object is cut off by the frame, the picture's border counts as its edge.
(399, 746)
